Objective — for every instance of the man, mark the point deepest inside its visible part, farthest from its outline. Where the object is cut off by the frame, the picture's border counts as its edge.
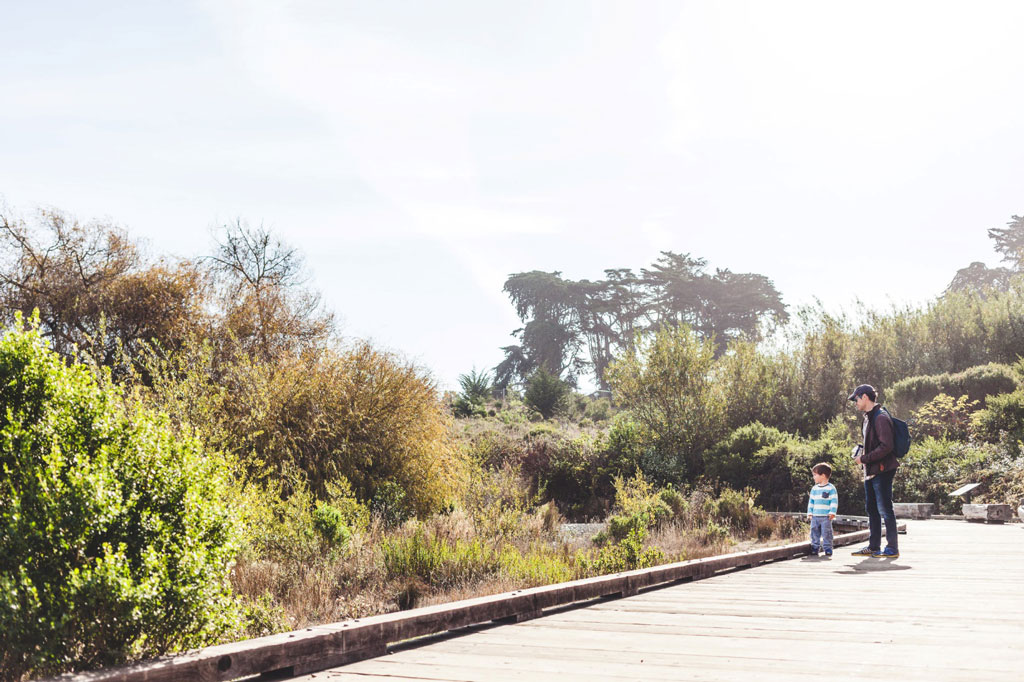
(878, 458)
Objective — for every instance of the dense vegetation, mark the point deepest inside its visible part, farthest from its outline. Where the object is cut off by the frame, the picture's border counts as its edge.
(191, 453)
(114, 531)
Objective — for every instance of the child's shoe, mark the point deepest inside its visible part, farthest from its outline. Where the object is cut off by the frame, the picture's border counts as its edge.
(887, 553)
(865, 551)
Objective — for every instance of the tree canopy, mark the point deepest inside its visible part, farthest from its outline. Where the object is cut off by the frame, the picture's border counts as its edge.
(979, 278)
(97, 291)
(571, 327)
(93, 287)
(1010, 241)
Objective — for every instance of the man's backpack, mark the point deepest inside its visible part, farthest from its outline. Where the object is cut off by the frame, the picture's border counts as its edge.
(900, 435)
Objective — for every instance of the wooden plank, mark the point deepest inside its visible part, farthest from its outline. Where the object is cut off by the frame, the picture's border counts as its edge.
(592, 661)
(607, 646)
(997, 636)
(497, 668)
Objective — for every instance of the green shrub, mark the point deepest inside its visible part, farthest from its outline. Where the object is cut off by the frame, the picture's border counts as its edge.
(951, 334)
(574, 472)
(783, 474)
(1002, 421)
(514, 413)
(733, 461)
(1003, 477)
(437, 561)
(757, 387)
(535, 567)
(666, 381)
(977, 383)
(329, 522)
(641, 507)
(493, 447)
(675, 501)
(543, 429)
(476, 386)
(621, 525)
(598, 410)
(472, 399)
(391, 504)
(294, 527)
(777, 465)
(115, 539)
(945, 417)
(934, 468)
(824, 373)
(629, 554)
(660, 511)
(277, 526)
(577, 470)
(354, 514)
(628, 443)
(358, 413)
(1018, 370)
(734, 508)
(546, 393)
(634, 495)
(908, 394)
(713, 533)
(575, 407)
(263, 616)
(462, 407)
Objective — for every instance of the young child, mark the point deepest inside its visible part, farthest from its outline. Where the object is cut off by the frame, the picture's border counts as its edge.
(822, 506)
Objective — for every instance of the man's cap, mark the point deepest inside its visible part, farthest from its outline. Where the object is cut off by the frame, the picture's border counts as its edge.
(864, 389)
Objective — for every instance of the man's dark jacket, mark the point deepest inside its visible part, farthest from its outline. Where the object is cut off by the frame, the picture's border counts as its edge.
(879, 454)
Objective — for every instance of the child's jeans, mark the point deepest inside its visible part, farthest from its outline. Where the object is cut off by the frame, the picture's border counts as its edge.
(821, 534)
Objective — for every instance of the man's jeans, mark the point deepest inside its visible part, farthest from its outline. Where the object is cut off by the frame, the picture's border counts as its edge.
(878, 502)
(821, 533)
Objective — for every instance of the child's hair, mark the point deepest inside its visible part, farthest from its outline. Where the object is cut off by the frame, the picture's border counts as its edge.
(822, 468)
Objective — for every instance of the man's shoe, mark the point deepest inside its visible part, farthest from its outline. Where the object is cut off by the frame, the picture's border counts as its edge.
(865, 551)
(828, 554)
(887, 553)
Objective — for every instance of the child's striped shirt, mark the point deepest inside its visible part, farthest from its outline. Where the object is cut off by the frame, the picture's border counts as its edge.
(824, 500)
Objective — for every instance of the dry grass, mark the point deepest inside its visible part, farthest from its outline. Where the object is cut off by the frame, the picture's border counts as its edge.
(452, 557)
(682, 541)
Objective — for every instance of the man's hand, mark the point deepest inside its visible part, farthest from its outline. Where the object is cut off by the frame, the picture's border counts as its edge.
(857, 459)
(831, 516)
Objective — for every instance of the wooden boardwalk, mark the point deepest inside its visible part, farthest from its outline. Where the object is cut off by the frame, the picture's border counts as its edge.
(951, 608)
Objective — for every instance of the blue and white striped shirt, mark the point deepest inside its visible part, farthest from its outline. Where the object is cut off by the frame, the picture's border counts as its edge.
(823, 500)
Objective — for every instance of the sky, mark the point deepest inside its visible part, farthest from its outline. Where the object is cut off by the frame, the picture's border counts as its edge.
(418, 153)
